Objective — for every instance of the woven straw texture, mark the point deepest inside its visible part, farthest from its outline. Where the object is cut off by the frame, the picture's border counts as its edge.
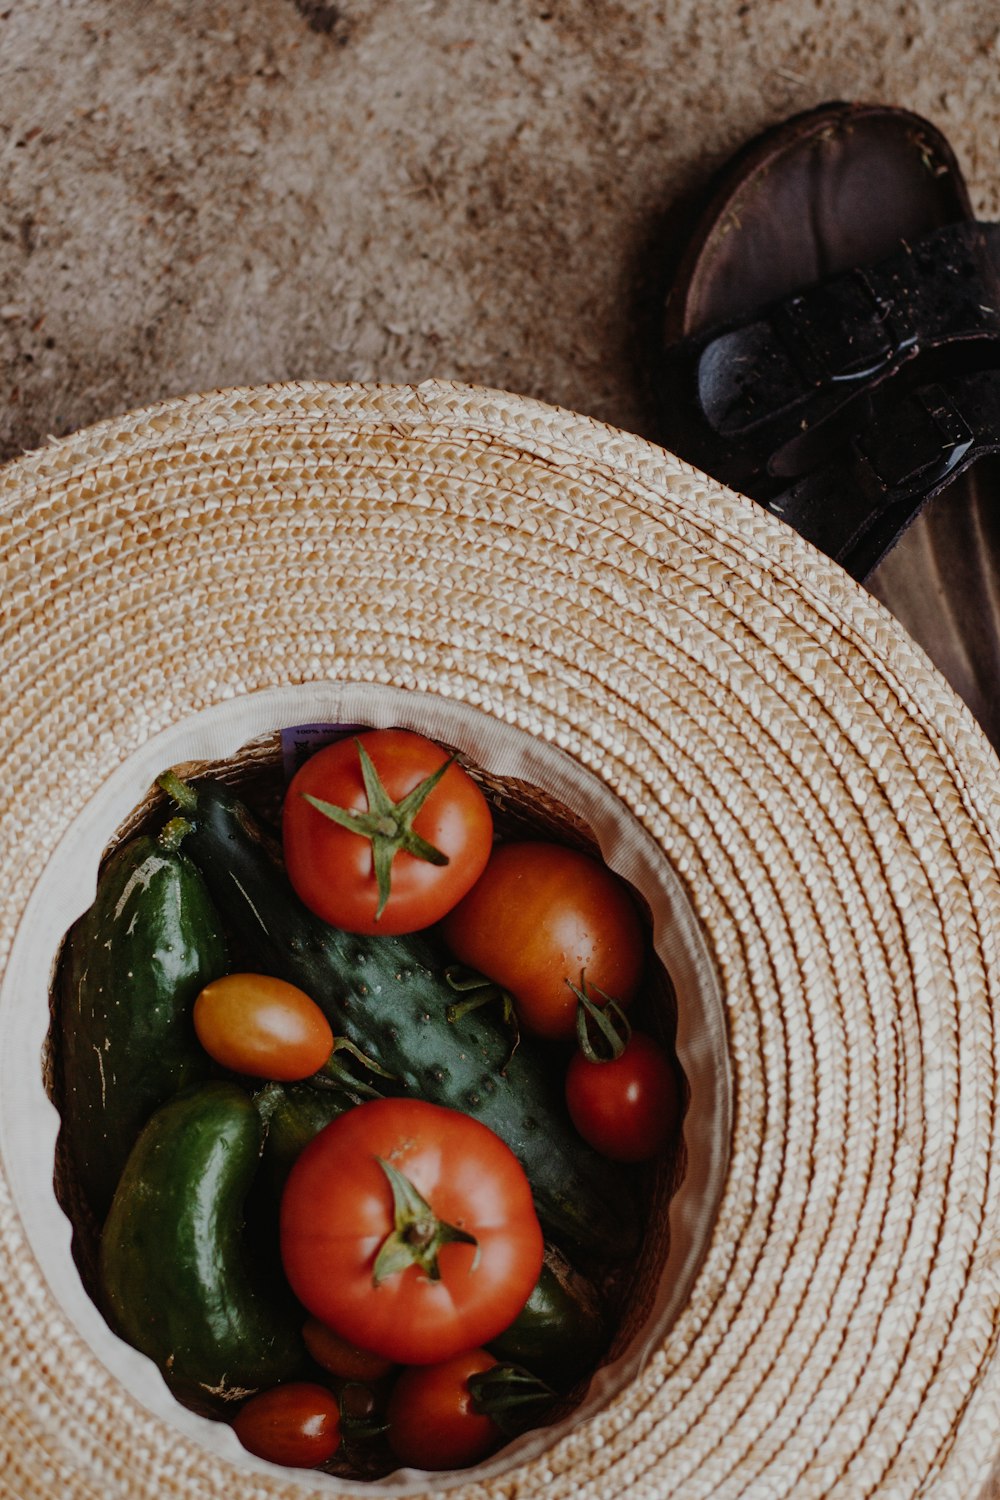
(827, 803)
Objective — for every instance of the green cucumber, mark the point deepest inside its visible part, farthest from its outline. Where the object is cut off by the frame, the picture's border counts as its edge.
(293, 1113)
(388, 997)
(177, 1277)
(130, 971)
(560, 1331)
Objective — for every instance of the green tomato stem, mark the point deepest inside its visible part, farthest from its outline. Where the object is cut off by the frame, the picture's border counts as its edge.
(418, 1234)
(388, 824)
(510, 1396)
(610, 1021)
(482, 991)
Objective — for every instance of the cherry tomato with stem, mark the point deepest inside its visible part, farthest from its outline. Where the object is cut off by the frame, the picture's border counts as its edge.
(384, 832)
(537, 919)
(263, 1027)
(410, 1230)
(452, 1414)
(623, 1099)
(297, 1424)
(432, 1419)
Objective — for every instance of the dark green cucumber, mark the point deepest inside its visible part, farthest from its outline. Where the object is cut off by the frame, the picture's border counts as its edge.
(131, 969)
(560, 1331)
(293, 1114)
(176, 1273)
(388, 996)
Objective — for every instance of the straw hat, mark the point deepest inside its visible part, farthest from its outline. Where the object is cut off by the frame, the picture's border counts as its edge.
(823, 809)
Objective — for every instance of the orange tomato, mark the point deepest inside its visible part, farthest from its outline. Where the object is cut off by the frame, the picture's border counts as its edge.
(541, 917)
(263, 1027)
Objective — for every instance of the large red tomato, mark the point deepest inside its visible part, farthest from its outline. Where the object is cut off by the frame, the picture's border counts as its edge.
(409, 1229)
(541, 915)
(373, 843)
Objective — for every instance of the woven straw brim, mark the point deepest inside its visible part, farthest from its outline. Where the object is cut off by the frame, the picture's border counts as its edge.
(827, 804)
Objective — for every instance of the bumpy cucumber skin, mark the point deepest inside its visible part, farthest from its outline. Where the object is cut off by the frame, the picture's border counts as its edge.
(388, 996)
(131, 969)
(175, 1271)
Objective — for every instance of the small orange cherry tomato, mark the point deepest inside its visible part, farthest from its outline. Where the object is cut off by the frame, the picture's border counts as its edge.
(339, 1357)
(297, 1424)
(263, 1027)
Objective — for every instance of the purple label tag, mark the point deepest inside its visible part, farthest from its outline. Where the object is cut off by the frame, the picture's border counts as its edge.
(298, 743)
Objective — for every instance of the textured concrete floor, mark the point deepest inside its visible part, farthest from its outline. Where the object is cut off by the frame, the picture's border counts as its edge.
(205, 194)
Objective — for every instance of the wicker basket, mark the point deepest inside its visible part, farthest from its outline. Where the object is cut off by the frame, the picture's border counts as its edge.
(639, 1295)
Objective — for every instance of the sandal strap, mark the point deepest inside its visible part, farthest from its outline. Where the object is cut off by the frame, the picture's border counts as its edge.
(915, 443)
(763, 383)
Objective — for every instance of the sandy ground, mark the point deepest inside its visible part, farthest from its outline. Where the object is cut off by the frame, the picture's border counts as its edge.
(196, 195)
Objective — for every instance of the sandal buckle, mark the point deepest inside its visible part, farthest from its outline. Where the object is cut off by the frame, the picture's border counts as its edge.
(841, 332)
(919, 441)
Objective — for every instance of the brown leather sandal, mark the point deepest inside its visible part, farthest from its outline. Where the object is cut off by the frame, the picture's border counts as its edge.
(832, 349)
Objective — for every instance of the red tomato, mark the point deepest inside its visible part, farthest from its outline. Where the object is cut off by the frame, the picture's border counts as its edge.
(626, 1107)
(433, 1423)
(540, 915)
(336, 870)
(296, 1424)
(263, 1027)
(347, 1243)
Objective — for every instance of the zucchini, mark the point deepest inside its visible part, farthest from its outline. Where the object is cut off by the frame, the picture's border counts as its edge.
(388, 997)
(176, 1273)
(131, 969)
